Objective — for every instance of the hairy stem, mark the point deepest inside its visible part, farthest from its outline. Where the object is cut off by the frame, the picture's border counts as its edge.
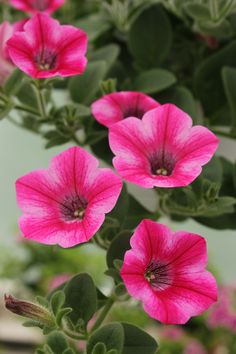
(103, 313)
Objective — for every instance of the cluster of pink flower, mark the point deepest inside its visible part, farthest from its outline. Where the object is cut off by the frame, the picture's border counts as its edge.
(155, 145)
(40, 46)
(223, 313)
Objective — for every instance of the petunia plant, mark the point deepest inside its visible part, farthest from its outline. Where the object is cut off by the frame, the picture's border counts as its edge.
(142, 91)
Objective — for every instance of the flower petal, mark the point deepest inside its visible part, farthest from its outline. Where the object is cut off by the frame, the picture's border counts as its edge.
(119, 105)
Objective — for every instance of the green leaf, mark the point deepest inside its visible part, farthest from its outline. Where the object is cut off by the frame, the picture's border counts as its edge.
(223, 205)
(137, 341)
(99, 348)
(118, 247)
(57, 342)
(225, 221)
(213, 171)
(94, 26)
(183, 98)
(108, 53)
(26, 95)
(229, 82)
(81, 296)
(61, 314)
(154, 80)
(122, 206)
(208, 83)
(69, 351)
(150, 37)
(84, 87)
(13, 83)
(114, 274)
(220, 30)
(197, 11)
(57, 301)
(112, 335)
(136, 213)
(42, 301)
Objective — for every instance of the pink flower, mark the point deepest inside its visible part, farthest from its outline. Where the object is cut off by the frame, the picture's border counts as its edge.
(47, 49)
(194, 347)
(117, 106)
(34, 6)
(223, 313)
(58, 280)
(166, 271)
(66, 203)
(6, 66)
(162, 149)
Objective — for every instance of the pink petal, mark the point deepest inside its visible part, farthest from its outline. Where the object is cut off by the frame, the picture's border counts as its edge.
(166, 271)
(75, 169)
(27, 5)
(63, 48)
(164, 134)
(104, 191)
(43, 196)
(119, 105)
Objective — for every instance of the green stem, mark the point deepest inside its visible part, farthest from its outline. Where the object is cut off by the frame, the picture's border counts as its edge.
(27, 109)
(214, 10)
(103, 313)
(73, 335)
(41, 101)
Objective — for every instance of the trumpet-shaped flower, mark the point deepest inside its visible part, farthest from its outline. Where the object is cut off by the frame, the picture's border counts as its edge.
(6, 66)
(162, 149)
(66, 203)
(34, 6)
(117, 106)
(166, 271)
(47, 49)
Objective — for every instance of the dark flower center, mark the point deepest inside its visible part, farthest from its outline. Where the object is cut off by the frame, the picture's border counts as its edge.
(136, 111)
(73, 208)
(40, 5)
(46, 59)
(162, 164)
(158, 274)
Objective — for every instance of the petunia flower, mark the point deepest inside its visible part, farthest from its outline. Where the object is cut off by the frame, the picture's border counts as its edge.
(47, 49)
(166, 271)
(162, 149)
(66, 203)
(34, 6)
(117, 106)
(6, 66)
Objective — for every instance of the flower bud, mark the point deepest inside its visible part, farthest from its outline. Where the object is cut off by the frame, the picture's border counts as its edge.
(30, 310)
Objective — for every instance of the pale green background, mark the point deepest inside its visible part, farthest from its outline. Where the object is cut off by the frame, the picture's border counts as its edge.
(21, 152)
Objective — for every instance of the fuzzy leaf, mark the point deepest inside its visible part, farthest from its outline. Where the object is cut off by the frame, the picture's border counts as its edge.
(154, 80)
(112, 335)
(137, 341)
(84, 87)
(150, 37)
(81, 296)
